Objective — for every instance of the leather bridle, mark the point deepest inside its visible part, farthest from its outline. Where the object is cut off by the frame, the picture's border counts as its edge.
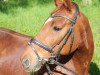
(54, 56)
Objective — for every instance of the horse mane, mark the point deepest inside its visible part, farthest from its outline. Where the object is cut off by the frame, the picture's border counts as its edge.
(57, 9)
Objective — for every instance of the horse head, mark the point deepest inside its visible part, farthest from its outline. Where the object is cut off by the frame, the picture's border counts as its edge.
(58, 36)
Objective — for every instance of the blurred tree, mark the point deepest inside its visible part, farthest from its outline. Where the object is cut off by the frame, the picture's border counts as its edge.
(87, 2)
(6, 5)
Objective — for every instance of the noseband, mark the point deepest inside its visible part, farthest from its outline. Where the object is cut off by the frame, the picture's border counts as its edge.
(54, 56)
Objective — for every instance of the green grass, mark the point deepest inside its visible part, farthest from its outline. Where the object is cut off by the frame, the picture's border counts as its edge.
(29, 20)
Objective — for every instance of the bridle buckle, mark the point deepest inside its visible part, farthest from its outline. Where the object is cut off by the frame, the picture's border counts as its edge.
(52, 58)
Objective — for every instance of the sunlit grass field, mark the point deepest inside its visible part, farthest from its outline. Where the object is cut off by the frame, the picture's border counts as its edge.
(28, 20)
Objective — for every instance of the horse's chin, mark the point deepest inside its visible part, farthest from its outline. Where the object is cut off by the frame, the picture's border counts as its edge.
(34, 68)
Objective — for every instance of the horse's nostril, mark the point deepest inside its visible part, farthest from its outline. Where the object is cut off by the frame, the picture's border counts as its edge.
(26, 63)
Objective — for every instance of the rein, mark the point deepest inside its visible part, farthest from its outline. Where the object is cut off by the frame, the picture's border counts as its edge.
(54, 56)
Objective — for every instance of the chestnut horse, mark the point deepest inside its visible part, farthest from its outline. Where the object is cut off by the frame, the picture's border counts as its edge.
(64, 45)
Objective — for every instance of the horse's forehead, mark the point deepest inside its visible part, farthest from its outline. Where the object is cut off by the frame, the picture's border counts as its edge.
(49, 19)
(56, 20)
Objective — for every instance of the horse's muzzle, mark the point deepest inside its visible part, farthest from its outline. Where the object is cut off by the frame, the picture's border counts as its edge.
(31, 66)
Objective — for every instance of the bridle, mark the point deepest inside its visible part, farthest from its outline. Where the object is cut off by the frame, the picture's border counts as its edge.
(54, 56)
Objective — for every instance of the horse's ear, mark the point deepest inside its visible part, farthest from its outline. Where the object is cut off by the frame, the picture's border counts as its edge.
(58, 2)
(67, 3)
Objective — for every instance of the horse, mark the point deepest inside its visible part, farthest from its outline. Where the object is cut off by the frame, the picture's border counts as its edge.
(64, 45)
(12, 46)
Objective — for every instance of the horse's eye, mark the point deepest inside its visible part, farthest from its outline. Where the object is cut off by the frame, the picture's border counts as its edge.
(57, 28)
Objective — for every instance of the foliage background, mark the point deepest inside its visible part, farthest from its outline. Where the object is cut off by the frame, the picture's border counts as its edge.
(27, 17)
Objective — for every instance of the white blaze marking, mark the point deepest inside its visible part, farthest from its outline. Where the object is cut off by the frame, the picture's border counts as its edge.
(50, 19)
